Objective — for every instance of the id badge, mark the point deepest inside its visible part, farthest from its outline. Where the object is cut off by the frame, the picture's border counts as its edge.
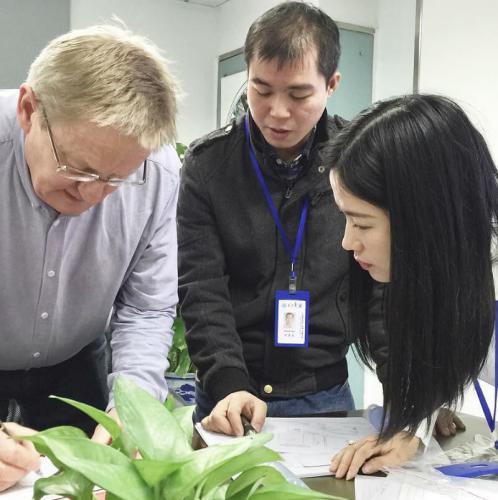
(291, 318)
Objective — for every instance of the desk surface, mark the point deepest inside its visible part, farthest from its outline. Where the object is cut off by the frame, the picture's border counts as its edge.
(341, 487)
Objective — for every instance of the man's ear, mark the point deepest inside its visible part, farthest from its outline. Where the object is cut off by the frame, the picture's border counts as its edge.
(26, 107)
(333, 83)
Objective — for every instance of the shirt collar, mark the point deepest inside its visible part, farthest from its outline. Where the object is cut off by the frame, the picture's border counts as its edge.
(288, 170)
(24, 174)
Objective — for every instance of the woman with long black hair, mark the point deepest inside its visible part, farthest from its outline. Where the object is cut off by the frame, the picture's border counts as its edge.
(419, 191)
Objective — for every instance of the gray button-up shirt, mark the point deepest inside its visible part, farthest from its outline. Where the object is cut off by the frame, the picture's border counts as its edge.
(61, 276)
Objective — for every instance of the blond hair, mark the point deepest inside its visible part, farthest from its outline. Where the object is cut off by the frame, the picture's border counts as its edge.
(111, 77)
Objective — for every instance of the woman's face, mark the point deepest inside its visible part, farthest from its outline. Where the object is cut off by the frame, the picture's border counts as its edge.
(367, 233)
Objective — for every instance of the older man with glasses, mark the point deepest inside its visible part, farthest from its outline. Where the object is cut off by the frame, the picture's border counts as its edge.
(88, 191)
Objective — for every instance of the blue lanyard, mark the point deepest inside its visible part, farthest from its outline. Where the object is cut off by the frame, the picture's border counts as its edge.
(292, 253)
(491, 419)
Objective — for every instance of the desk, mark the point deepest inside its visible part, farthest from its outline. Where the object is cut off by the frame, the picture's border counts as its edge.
(341, 487)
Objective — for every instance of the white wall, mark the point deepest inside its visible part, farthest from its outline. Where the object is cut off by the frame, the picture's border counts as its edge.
(394, 48)
(458, 58)
(187, 33)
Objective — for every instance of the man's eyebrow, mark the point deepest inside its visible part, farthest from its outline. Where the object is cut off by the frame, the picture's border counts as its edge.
(302, 86)
(80, 164)
(260, 81)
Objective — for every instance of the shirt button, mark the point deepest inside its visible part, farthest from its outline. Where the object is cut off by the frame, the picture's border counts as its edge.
(56, 222)
(44, 315)
(321, 169)
(268, 389)
(51, 273)
(36, 355)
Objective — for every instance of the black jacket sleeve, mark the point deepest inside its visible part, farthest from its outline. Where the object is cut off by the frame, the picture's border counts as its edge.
(214, 344)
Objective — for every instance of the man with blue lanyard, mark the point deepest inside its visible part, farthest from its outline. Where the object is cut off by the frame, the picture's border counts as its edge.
(259, 237)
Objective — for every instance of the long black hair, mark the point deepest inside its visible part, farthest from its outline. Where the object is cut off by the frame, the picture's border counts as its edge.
(420, 158)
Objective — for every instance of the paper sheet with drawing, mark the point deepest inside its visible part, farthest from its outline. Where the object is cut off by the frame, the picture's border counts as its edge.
(306, 444)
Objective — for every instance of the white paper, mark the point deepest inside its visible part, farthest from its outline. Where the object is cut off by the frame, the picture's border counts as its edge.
(414, 485)
(306, 444)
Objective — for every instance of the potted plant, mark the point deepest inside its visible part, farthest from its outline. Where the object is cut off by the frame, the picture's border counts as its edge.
(165, 467)
(180, 376)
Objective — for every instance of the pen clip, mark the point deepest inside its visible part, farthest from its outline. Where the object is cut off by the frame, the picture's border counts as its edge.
(249, 430)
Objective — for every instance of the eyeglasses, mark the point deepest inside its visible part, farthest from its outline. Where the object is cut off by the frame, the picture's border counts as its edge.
(75, 174)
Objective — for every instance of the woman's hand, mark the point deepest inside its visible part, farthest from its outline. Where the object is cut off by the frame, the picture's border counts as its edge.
(370, 456)
(447, 423)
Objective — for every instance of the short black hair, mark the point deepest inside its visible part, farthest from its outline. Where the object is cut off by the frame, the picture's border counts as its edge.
(288, 31)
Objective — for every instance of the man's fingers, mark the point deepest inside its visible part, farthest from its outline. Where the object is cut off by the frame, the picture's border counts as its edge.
(217, 423)
(101, 435)
(10, 475)
(19, 430)
(258, 415)
(17, 458)
(20, 455)
(233, 416)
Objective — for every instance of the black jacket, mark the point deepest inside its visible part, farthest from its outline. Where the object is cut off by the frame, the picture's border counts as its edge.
(232, 260)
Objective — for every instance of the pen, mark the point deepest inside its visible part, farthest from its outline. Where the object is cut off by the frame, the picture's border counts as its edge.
(4, 429)
(249, 430)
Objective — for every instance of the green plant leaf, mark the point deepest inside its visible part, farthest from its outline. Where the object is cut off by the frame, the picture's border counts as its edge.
(227, 469)
(39, 440)
(216, 494)
(170, 404)
(120, 440)
(288, 491)
(180, 150)
(178, 356)
(125, 444)
(183, 416)
(154, 430)
(102, 465)
(183, 482)
(266, 473)
(184, 364)
(101, 417)
(110, 496)
(67, 483)
(154, 471)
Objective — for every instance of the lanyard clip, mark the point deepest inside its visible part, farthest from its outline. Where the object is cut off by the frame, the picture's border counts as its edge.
(292, 281)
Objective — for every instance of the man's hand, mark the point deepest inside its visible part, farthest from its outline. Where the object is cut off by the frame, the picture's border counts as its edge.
(370, 456)
(225, 417)
(17, 458)
(447, 423)
(101, 435)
